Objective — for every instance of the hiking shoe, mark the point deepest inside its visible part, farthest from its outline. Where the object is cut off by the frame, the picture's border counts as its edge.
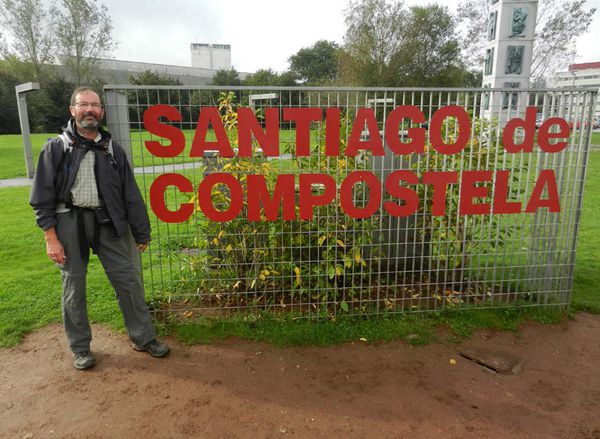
(83, 360)
(155, 348)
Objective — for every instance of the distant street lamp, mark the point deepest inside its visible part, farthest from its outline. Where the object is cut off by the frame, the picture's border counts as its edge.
(21, 89)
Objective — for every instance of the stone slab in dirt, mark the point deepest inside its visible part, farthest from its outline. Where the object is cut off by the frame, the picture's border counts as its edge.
(495, 361)
(241, 389)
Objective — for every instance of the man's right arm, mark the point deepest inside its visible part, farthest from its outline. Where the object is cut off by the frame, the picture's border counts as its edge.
(43, 191)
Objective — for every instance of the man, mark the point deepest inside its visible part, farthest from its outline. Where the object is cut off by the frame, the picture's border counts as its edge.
(85, 197)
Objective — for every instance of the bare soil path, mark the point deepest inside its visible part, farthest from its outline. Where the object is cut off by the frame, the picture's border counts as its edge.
(240, 389)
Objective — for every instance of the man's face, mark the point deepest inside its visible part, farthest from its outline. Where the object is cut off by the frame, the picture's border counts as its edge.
(87, 110)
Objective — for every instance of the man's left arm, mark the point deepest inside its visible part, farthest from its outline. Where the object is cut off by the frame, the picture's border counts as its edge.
(137, 214)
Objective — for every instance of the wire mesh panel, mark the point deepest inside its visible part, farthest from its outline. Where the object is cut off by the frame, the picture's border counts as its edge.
(325, 202)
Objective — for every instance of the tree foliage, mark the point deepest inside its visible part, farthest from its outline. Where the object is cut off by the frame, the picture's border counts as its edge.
(47, 108)
(145, 98)
(556, 32)
(430, 52)
(558, 24)
(317, 64)
(31, 26)
(84, 35)
(266, 77)
(373, 35)
(151, 77)
(262, 77)
(74, 32)
(227, 77)
(9, 117)
(387, 44)
(54, 100)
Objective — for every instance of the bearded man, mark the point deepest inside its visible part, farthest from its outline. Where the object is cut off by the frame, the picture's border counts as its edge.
(85, 197)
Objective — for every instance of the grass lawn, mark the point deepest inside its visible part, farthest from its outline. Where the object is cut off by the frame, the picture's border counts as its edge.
(586, 282)
(12, 158)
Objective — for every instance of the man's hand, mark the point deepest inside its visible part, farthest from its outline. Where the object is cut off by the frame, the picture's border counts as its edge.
(142, 247)
(54, 248)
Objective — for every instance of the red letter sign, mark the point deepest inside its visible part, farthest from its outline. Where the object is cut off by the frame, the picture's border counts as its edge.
(207, 116)
(157, 198)
(346, 194)
(174, 134)
(308, 200)
(236, 197)
(283, 194)
(463, 125)
(249, 127)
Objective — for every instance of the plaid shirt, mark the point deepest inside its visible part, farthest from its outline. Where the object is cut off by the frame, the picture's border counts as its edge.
(84, 192)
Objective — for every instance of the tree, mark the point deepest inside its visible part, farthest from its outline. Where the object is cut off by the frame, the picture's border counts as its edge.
(55, 99)
(373, 36)
(31, 26)
(472, 14)
(388, 45)
(317, 64)
(558, 24)
(226, 77)
(9, 116)
(150, 77)
(145, 98)
(266, 77)
(430, 52)
(83, 36)
(556, 32)
(262, 77)
(47, 108)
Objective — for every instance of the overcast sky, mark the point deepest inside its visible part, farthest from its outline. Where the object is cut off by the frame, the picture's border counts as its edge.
(262, 33)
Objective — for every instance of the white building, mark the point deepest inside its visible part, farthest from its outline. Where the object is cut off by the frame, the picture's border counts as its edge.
(211, 56)
(579, 75)
(207, 59)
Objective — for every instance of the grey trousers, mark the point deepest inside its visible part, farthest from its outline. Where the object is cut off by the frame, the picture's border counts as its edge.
(119, 259)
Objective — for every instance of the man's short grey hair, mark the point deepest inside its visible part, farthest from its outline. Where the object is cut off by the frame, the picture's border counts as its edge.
(82, 89)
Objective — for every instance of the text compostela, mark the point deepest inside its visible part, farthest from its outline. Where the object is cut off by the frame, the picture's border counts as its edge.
(314, 189)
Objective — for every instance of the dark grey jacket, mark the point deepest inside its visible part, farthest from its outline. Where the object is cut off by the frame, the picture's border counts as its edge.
(55, 175)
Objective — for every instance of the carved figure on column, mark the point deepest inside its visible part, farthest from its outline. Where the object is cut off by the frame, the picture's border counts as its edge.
(491, 27)
(518, 22)
(510, 98)
(489, 60)
(514, 60)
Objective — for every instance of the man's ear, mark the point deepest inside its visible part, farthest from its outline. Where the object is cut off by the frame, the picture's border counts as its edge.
(72, 111)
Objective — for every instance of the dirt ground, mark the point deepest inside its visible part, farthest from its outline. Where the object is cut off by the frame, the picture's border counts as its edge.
(240, 389)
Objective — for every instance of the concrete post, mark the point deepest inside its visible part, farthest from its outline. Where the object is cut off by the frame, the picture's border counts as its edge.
(510, 35)
(20, 90)
(117, 118)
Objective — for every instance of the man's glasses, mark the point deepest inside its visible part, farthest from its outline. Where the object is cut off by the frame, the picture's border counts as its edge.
(94, 105)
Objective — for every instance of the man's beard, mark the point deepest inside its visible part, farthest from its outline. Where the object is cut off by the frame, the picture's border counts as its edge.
(89, 123)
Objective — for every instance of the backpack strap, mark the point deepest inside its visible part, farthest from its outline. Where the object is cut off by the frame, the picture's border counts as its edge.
(67, 143)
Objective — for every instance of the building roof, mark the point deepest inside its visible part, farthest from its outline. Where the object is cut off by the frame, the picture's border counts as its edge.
(584, 66)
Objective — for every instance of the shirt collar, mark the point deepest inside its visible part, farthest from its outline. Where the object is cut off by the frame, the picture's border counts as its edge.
(96, 139)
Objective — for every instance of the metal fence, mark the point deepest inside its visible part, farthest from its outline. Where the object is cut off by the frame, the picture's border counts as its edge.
(334, 264)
